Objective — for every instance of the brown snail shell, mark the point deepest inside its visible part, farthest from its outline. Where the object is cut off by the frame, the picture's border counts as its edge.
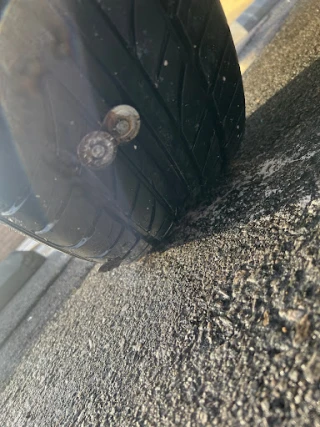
(123, 123)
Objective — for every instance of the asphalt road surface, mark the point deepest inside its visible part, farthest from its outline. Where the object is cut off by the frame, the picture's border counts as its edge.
(223, 328)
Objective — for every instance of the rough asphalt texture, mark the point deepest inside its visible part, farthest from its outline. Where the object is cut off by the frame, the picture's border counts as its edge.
(224, 327)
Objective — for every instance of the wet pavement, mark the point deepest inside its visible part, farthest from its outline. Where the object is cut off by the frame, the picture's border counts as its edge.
(223, 327)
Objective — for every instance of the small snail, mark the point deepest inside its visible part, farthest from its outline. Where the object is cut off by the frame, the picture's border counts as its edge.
(123, 123)
(97, 150)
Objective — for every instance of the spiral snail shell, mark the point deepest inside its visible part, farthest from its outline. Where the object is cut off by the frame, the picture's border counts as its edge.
(123, 123)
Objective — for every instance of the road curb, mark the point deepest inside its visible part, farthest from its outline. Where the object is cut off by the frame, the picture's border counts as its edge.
(18, 308)
(256, 26)
(254, 14)
(36, 304)
(15, 271)
(249, 20)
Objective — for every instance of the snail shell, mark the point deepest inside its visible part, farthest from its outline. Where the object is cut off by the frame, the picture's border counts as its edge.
(123, 123)
(97, 150)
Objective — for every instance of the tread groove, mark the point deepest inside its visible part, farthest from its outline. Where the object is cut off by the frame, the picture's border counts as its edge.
(148, 184)
(133, 26)
(182, 77)
(153, 214)
(232, 99)
(163, 48)
(135, 199)
(208, 152)
(202, 119)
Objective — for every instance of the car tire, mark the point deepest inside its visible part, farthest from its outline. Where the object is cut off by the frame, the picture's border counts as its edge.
(64, 66)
